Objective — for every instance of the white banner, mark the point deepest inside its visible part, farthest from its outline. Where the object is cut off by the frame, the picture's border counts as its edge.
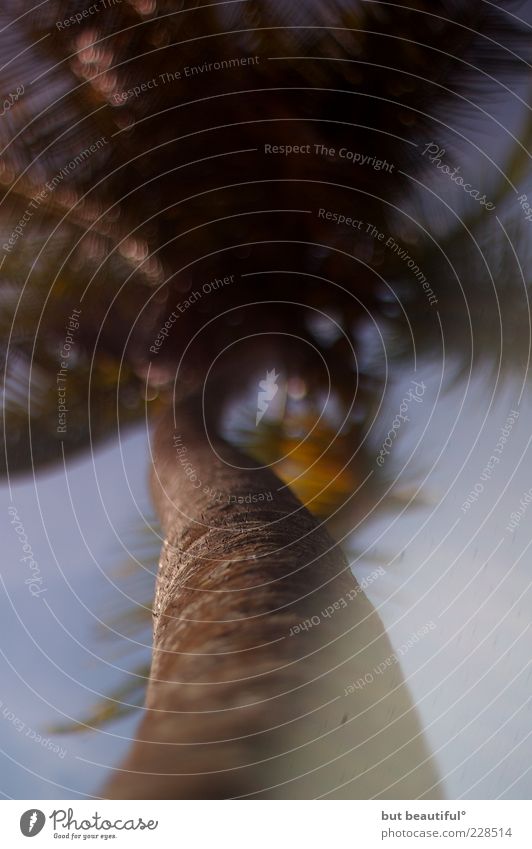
(263, 825)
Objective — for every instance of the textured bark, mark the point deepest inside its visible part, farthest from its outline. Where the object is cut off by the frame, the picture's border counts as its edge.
(235, 704)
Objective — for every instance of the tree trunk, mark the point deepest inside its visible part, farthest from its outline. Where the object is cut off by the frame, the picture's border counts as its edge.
(241, 700)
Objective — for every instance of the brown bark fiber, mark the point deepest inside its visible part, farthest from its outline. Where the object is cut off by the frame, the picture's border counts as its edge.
(236, 706)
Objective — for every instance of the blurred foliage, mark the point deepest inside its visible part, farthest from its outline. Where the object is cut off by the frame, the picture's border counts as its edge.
(119, 235)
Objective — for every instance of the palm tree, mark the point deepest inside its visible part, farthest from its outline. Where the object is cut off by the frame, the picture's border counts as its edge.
(199, 201)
